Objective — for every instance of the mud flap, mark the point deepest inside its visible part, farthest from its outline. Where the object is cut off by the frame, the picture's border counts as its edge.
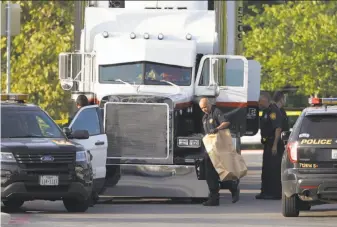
(200, 169)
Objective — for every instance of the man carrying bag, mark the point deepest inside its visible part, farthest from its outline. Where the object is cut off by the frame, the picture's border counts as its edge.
(213, 122)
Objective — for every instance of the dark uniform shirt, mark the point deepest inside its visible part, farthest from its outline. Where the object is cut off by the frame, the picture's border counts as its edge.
(213, 119)
(285, 120)
(270, 120)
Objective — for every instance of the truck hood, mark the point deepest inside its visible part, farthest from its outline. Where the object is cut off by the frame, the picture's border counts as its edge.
(34, 144)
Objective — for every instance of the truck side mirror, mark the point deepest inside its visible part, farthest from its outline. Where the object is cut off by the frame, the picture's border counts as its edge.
(64, 66)
(66, 81)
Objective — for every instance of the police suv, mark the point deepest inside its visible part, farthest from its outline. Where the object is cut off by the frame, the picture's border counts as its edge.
(38, 161)
(309, 165)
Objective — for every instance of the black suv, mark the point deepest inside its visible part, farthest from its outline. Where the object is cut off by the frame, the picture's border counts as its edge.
(309, 165)
(38, 161)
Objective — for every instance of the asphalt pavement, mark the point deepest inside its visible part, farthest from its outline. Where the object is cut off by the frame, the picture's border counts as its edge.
(246, 212)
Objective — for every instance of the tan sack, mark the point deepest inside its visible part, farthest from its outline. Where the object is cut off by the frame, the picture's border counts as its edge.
(227, 162)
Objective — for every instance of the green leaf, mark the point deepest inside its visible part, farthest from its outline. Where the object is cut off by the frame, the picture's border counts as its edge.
(296, 45)
(34, 56)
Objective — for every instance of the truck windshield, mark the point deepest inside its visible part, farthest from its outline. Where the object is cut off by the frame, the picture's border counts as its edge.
(145, 73)
(319, 126)
(28, 124)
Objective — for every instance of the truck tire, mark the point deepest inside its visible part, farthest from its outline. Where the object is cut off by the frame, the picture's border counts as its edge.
(76, 206)
(290, 206)
(13, 204)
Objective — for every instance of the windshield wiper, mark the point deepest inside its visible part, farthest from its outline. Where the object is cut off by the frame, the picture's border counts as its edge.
(27, 136)
(127, 83)
(173, 84)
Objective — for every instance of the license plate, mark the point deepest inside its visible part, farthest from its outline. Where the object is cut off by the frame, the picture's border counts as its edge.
(334, 154)
(49, 180)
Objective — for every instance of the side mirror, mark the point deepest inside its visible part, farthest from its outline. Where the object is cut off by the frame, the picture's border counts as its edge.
(65, 63)
(79, 134)
(285, 136)
(64, 66)
(67, 131)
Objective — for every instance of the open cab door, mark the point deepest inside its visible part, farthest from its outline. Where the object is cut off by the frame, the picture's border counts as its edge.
(225, 79)
(254, 85)
(89, 118)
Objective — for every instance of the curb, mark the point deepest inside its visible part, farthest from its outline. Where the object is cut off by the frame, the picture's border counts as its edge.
(5, 218)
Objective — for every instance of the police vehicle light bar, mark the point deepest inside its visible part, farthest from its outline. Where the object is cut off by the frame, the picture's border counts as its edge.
(323, 101)
(14, 97)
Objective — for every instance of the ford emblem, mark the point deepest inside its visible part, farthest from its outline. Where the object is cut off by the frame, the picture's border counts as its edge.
(47, 158)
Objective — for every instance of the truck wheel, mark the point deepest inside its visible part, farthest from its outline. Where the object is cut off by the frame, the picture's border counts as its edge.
(75, 205)
(290, 206)
(13, 204)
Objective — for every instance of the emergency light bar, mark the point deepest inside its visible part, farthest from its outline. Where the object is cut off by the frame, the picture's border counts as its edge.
(14, 97)
(323, 101)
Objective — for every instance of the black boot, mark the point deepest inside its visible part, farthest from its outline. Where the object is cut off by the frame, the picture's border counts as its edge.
(213, 200)
(235, 190)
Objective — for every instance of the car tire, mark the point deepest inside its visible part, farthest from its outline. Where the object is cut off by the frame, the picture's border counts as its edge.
(305, 206)
(76, 206)
(290, 206)
(13, 204)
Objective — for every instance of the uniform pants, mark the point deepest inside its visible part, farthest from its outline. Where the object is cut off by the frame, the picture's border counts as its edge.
(271, 169)
(212, 176)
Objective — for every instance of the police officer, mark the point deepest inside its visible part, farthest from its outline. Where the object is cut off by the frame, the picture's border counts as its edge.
(213, 121)
(81, 101)
(271, 127)
(280, 102)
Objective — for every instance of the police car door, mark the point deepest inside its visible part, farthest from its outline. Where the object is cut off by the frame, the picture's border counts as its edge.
(88, 118)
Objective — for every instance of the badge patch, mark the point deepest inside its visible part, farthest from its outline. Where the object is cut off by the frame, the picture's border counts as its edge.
(272, 116)
(211, 120)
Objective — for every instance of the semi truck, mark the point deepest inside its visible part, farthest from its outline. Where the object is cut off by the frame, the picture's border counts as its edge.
(144, 65)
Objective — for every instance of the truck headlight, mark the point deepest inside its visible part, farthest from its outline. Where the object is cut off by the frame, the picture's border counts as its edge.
(81, 156)
(189, 142)
(7, 157)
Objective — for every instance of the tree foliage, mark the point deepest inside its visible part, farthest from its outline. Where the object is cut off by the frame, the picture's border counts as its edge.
(296, 44)
(46, 30)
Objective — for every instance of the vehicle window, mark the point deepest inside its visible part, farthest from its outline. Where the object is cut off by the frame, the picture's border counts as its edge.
(178, 75)
(28, 124)
(234, 73)
(130, 72)
(320, 126)
(204, 77)
(148, 73)
(87, 119)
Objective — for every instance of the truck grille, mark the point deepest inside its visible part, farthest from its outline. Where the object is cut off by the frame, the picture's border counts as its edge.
(137, 130)
(35, 158)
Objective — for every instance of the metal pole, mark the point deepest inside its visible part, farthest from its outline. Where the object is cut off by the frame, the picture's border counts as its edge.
(77, 25)
(8, 47)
